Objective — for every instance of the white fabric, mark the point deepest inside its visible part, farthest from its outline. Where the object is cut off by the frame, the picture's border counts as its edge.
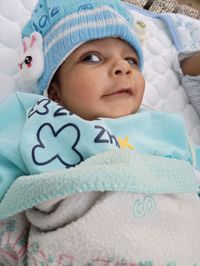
(120, 227)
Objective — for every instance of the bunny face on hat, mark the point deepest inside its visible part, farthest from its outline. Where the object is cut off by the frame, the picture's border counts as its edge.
(31, 62)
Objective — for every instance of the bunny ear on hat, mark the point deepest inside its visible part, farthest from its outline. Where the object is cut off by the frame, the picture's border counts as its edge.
(31, 61)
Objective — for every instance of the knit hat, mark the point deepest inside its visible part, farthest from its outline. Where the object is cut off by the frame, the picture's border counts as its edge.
(57, 28)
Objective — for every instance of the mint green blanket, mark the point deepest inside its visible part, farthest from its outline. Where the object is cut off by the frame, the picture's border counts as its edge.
(119, 170)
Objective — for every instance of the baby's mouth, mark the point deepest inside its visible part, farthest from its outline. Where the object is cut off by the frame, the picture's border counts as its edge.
(127, 91)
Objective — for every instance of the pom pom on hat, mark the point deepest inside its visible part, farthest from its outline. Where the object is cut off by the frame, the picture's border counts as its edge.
(66, 24)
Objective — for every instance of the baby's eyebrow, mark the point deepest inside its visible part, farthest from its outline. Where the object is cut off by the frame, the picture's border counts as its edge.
(96, 48)
(88, 49)
(132, 54)
(88, 52)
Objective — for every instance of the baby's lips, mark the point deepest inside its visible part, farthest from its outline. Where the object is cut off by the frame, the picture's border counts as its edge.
(119, 91)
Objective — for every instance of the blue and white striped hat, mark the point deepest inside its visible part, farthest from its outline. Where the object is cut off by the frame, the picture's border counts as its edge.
(63, 25)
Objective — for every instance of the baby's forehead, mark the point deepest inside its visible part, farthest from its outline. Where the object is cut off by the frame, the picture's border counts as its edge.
(105, 44)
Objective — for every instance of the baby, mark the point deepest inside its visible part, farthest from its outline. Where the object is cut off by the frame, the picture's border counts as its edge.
(90, 66)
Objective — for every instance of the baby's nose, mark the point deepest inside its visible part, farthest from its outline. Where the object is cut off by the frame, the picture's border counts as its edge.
(122, 68)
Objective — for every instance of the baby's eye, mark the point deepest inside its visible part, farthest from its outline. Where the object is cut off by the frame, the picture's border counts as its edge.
(132, 61)
(92, 58)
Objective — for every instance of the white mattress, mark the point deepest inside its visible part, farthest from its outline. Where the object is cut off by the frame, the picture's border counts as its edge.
(163, 91)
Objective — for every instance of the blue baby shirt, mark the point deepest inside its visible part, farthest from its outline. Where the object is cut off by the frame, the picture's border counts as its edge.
(38, 135)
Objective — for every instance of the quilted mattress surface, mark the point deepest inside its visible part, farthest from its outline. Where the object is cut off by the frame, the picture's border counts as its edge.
(163, 90)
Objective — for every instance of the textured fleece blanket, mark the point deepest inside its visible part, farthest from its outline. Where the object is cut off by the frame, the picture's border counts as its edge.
(115, 208)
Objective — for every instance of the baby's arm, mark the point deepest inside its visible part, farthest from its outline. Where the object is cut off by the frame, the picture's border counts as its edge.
(191, 65)
(189, 72)
(11, 122)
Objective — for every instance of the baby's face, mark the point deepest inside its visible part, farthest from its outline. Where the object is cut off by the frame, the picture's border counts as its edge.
(101, 78)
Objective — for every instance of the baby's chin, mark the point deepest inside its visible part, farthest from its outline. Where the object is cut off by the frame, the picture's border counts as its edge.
(111, 115)
(107, 113)
(119, 113)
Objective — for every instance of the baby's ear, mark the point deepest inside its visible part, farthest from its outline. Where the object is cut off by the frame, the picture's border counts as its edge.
(54, 92)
